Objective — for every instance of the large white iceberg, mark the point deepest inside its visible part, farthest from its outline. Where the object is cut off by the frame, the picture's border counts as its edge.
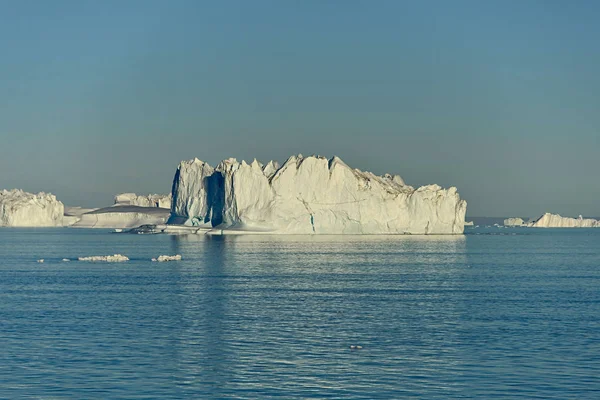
(151, 200)
(549, 220)
(19, 208)
(309, 195)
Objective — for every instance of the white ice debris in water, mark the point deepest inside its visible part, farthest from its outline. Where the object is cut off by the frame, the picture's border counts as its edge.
(150, 200)
(19, 208)
(556, 221)
(41, 260)
(113, 258)
(168, 258)
(309, 195)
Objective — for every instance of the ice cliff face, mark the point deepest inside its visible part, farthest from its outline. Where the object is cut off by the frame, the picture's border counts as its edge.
(151, 200)
(19, 208)
(310, 195)
(556, 221)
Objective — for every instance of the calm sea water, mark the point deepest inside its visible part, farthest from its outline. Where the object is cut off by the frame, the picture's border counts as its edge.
(497, 313)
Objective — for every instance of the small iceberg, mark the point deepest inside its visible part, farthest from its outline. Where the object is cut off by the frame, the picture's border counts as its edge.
(168, 258)
(113, 258)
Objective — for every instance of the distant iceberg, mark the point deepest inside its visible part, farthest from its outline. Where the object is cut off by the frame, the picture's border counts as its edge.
(150, 200)
(122, 217)
(73, 214)
(129, 211)
(549, 220)
(19, 208)
(514, 222)
(309, 195)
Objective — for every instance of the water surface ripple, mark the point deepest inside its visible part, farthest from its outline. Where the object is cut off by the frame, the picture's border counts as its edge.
(474, 316)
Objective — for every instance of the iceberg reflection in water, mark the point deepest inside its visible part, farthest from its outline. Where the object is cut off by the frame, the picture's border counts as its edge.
(285, 312)
(278, 316)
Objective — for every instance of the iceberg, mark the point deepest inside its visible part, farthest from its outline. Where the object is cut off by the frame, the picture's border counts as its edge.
(514, 222)
(19, 208)
(73, 214)
(121, 217)
(151, 200)
(549, 220)
(113, 258)
(125, 213)
(308, 195)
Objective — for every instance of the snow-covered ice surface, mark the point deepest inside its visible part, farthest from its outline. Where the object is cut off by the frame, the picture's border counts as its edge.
(150, 200)
(19, 208)
(122, 217)
(309, 195)
(113, 258)
(549, 220)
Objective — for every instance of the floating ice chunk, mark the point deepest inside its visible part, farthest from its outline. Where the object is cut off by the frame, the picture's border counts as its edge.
(113, 258)
(167, 258)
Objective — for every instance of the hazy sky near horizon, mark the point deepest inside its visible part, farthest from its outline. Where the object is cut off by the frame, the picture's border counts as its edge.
(498, 98)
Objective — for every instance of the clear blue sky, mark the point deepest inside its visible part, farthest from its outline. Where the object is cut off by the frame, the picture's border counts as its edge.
(499, 98)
